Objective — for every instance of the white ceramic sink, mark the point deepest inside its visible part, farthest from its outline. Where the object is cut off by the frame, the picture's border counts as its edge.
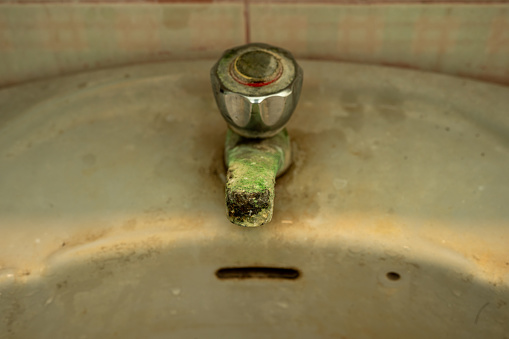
(392, 223)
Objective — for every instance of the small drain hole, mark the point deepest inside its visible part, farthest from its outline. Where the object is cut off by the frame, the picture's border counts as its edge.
(393, 276)
(257, 273)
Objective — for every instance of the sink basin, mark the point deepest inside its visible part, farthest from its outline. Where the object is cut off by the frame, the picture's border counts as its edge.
(392, 222)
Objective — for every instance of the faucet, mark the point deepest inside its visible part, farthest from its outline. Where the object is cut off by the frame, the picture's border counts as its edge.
(256, 87)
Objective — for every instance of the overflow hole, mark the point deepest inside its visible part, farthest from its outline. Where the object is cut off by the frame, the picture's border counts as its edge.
(393, 276)
(257, 273)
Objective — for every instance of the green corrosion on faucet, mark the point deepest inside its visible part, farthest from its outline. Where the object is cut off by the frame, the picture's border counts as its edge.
(253, 165)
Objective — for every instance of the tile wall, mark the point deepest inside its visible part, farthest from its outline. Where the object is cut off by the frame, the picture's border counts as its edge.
(48, 38)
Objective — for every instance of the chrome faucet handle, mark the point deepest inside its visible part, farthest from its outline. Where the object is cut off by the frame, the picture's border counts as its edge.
(256, 87)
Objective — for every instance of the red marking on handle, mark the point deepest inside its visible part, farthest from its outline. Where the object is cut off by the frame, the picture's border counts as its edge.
(257, 84)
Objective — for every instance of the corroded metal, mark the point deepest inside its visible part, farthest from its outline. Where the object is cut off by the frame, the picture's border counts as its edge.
(253, 165)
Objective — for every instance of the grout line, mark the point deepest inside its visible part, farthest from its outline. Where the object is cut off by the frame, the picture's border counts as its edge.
(247, 2)
(247, 22)
(383, 2)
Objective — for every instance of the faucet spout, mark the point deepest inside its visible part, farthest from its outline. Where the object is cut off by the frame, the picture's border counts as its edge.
(253, 165)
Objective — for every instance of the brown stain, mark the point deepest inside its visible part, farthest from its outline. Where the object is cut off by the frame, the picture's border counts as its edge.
(25, 272)
(130, 224)
(389, 104)
(208, 149)
(490, 259)
(386, 226)
(215, 172)
(103, 262)
(109, 258)
(84, 237)
(155, 215)
(492, 262)
(11, 316)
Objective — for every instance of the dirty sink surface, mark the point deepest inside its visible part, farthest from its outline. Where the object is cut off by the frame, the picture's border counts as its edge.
(393, 221)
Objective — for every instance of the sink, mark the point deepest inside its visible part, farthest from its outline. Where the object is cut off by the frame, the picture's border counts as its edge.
(392, 221)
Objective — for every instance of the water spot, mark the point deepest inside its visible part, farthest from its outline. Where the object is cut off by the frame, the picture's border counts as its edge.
(61, 285)
(282, 304)
(164, 168)
(352, 105)
(361, 152)
(339, 184)
(175, 291)
(37, 241)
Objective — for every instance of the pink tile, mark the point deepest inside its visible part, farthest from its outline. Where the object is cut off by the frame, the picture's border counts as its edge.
(434, 35)
(5, 40)
(360, 34)
(498, 40)
(137, 32)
